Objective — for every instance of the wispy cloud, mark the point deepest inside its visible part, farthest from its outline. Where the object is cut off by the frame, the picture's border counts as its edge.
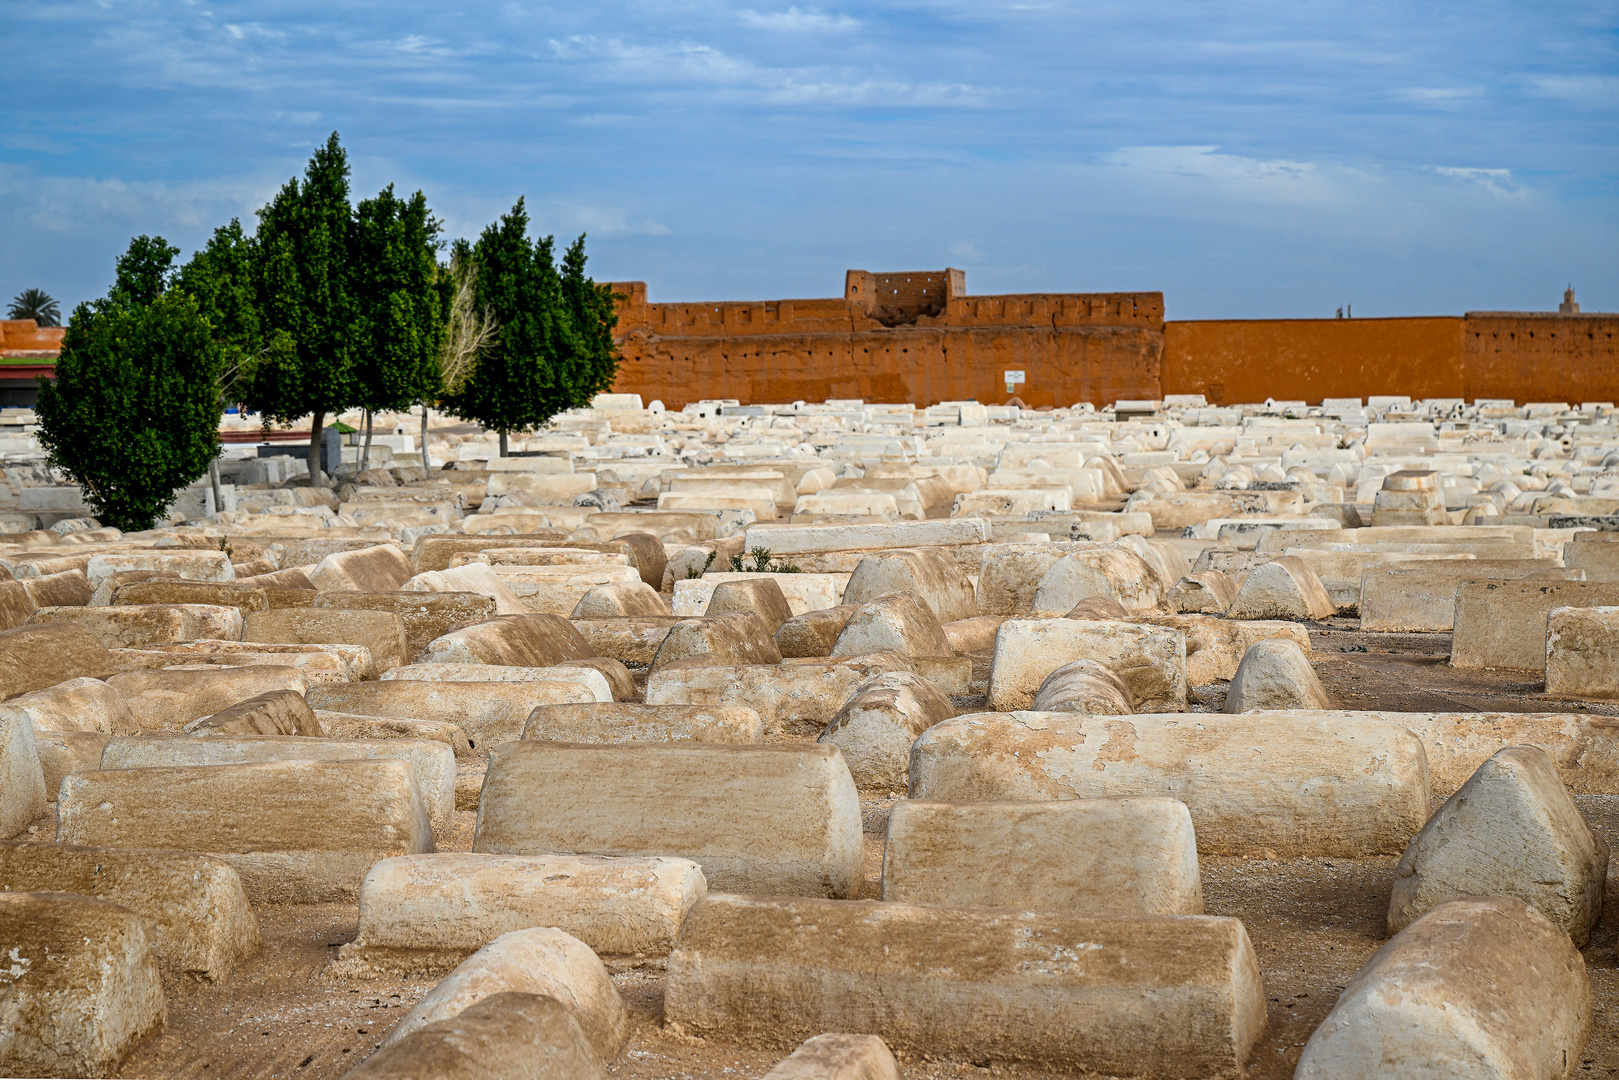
(873, 92)
(1495, 181)
(417, 45)
(600, 221)
(1595, 88)
(1438, 97)
(1269, 181)
(679, 61)
(81, 204)
(797, 21)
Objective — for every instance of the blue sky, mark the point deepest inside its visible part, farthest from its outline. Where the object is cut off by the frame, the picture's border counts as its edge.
(1249, 159)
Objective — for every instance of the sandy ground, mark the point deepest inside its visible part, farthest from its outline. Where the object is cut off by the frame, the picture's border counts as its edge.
(1313, 923)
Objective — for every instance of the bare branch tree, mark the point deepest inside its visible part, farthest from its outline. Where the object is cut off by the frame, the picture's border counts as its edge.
(468, 330)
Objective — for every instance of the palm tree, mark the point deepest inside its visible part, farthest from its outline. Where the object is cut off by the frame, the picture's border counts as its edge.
(38, 305)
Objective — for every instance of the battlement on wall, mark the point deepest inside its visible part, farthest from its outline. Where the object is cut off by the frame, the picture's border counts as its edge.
(1142, 310)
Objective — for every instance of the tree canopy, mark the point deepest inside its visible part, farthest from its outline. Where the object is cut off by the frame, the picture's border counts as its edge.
(221, 277)
(552, 348)
(593, 315)
(325, 307)
(398, 309)
(303, 292)
(133, 415)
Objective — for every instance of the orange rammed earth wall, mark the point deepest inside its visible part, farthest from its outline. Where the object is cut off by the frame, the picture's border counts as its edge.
(1529, 356)
(1230, 361)
(917, 337)
(1071, 347)
(1524, 356)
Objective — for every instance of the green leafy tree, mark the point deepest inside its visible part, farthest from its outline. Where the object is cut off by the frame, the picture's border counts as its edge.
(503, 390)
(399, 313)
(221, 277)
(143, 271)
(36, 304)
(303, 287)
(133, 415)
(548, 351)
(592, 312)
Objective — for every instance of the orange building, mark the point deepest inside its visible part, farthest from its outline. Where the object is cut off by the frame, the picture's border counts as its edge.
(28, 353)
(920, 337)
(26, 339)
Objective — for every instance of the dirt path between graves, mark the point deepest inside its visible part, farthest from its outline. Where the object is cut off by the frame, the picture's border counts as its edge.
(1313, 923)
(1412, 673)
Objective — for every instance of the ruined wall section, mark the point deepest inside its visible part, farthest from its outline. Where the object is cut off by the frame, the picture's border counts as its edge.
(1070, 347)
(898, 299)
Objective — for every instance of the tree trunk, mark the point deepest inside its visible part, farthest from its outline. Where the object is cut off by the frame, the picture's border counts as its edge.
(502, 444)
(423, 446)
(365, 451)
(316, 422)
(213, 482)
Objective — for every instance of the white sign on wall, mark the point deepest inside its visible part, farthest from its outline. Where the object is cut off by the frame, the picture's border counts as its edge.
(1014, 379)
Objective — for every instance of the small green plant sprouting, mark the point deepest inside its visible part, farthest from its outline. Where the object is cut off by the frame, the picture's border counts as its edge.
(761, 564)
(224, 545)
(693, 572)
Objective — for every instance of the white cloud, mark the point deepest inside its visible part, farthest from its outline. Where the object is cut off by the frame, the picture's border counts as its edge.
(1495, 181)
(682, 60)
(1306, 206)
(574, 218)
(698, 64)
(873, 92)
(253, 31)
(797, 21)
(1599, 88)
(1438, 97)
(416, 44)
(85, 205)
(1272, 181)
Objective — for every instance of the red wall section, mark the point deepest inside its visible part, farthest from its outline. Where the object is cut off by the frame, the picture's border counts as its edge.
(918, 338)
(1535, 357)
(1071, 347)
(1247, 360)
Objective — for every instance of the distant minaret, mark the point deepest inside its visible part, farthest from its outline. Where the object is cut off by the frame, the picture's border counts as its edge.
(1569, 306)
